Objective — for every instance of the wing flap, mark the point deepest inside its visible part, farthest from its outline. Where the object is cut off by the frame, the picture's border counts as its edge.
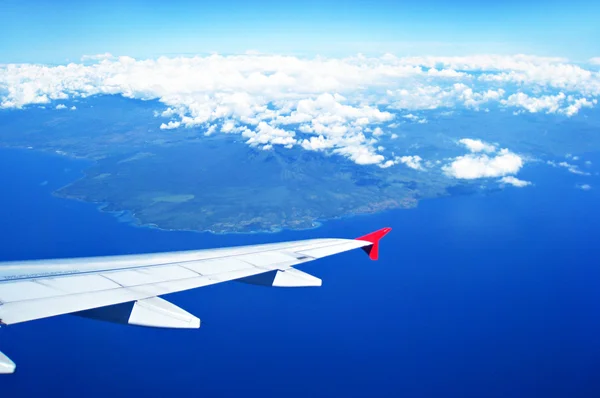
(290, 277)
(295, 278)
(6, 365)
(158, 313)
(151, 312)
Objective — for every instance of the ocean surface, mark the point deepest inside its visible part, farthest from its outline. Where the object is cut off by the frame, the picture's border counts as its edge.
(487, 295)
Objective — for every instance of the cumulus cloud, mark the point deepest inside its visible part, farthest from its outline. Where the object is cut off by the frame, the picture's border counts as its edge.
(485, 161)
(477, 145)
(548, 103)
(514, 181)
(584, 187)
(337, 105)
(480, 166)
(414, 162)
(377, 131)
(171, 125)
(577, 104)
(559, 103)
(61, 106)
(360, 154)
(265, 134)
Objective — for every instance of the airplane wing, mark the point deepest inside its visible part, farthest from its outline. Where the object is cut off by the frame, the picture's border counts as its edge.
(127, 289)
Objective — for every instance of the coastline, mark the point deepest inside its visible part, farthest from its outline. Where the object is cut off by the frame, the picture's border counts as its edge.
(134, 220)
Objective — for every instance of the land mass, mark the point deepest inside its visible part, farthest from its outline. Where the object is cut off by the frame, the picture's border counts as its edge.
(197, 187)
(185, 180)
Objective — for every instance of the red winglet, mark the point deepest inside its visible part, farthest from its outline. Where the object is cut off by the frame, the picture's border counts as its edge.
(374, 237)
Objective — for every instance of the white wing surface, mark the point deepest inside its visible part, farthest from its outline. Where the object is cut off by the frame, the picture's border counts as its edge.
(126, 289)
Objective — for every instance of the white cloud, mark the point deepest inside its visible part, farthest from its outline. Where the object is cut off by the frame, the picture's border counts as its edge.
(584, 187)
(556, 75)
(595, 61)
(514, 181)
(474, 166)
(211, 129)
(171, 125)
(324, 104)
(427, 97)
(317, 143)
(571, 168)
(477, 145)
(559, 103)
(266, 134)
(548, 103)
(387, 163)
(472, 99)
(61, 106)
(360, 154)
(228, 127)
(415, 118)
(73, 108)
(414, 162)
(485, 62)
(577, 104)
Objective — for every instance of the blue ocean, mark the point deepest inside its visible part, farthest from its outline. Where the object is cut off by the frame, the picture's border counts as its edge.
(485, 295)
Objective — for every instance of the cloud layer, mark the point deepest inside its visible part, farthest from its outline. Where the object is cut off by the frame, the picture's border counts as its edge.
(341, 106)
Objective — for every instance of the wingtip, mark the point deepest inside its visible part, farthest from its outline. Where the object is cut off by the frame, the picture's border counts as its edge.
(376, 235)
(373, 249)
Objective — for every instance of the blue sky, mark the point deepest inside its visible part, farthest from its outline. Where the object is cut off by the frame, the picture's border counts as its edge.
(42, 31)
